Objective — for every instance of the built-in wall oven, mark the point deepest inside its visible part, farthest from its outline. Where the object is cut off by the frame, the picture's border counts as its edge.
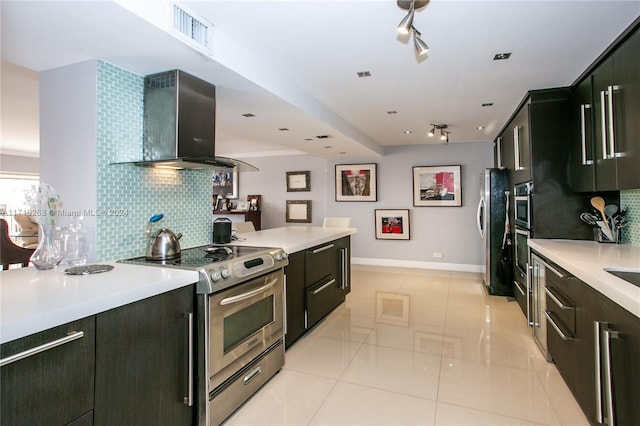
(523, 222)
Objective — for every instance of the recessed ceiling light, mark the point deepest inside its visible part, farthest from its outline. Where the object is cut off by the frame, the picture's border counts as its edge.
(501, 56)
(308, 139)
(486, 104)
(248, 115)
(392, 112)
(327, 146)
(283, 129)
(364, 74)
(407, 132)
(343, 152)
(480, 128)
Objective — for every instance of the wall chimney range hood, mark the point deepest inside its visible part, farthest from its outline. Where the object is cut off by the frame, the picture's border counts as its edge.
(179, 124)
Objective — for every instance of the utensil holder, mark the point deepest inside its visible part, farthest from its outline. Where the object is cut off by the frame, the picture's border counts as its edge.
(602, 238)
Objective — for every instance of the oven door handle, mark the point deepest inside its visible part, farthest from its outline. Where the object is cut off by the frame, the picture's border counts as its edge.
(247, 295)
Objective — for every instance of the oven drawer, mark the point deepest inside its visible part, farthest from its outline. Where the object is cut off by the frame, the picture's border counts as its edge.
(322, 298)
(234, 392)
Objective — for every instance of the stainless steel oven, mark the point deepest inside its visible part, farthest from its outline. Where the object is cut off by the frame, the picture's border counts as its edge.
(522, 205)
(238, 339)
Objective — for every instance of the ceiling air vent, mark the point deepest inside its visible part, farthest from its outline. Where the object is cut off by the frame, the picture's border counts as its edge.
(324, 136)
(194, 29)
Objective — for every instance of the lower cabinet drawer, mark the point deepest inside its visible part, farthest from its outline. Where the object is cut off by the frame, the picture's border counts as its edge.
(322, 298)
(48, 378)
(562, 310)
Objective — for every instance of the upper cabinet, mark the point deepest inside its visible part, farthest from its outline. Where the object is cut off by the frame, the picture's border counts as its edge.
(606, 131)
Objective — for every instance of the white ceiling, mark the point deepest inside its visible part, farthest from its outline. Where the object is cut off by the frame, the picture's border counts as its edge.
(293, 64)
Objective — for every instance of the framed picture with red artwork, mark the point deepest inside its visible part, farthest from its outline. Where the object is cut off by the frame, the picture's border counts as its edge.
(437, 186)
(392, 224)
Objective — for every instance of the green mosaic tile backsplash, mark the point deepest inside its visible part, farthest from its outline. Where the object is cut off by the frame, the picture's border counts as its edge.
(631, 201)
(128, 195)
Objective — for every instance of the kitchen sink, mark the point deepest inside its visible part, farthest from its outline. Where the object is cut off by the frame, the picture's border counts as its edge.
(630, 275)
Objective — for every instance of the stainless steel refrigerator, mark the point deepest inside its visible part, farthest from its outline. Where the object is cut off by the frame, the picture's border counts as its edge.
(492, 208)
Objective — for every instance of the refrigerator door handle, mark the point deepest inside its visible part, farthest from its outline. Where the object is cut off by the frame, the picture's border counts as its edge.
(479, 217)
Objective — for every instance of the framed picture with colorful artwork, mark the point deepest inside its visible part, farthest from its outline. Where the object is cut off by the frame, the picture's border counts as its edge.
(437, 186)
(392, 224)
(356, 182)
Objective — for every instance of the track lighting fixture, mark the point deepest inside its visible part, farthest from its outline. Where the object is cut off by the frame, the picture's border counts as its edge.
(421, 46)
(406, 25)
(444, 135)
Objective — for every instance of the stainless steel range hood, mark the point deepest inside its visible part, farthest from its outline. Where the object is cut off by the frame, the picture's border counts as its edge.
(179, 123)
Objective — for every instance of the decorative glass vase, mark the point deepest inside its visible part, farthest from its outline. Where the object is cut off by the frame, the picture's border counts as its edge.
(48, 254)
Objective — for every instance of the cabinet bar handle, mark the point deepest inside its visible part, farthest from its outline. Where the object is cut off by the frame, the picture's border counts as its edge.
(555, 326)
(597, 326)
(612, 132)
(516, 147)
(343, 270)
(583, 133)
(247, 295)
(327, 247)
(499, 149)
(316, 291)
(556, 300)
(603, 121)
(284, 303)
(188, 400)
(608, 335)
(518, 287)
(74, 335)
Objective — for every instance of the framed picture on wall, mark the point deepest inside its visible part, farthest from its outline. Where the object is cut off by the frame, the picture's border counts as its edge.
(437, 186)
(356, 182)
(225, 183)
(298, 211)
(298, 181)
(392, 224)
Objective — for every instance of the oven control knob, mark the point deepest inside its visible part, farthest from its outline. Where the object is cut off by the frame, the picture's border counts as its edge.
(278, 257)
(225, 273)
(284, 255)
(215, 276)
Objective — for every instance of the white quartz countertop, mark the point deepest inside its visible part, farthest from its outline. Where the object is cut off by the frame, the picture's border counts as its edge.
(32, 300)
(293, 238)
(586, 260)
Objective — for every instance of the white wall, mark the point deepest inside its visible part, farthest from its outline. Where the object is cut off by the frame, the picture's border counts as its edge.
(68, 140)
(447, 230)
(271, 183)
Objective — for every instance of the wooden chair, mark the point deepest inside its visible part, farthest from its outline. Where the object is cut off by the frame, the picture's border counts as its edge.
(10, 253)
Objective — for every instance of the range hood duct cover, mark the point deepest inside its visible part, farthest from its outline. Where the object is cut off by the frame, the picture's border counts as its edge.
(179, 123)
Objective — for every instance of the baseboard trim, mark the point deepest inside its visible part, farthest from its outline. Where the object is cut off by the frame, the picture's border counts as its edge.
(460, 267)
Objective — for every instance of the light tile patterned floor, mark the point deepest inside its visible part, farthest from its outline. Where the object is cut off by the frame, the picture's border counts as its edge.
(415, 347)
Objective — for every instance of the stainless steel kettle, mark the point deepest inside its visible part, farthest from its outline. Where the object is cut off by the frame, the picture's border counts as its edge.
(163, 245)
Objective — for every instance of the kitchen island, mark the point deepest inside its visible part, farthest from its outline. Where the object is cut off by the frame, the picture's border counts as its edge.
(292, 239)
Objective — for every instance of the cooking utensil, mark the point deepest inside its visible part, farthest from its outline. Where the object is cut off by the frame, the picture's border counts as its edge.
(610, 210)
(163, 245)
(598, 204)
(604, 227)
(589, 219)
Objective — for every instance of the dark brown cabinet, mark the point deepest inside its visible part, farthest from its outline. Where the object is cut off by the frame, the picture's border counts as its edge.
(594, 342)
(53, 384)
(606, 131)
(318, 279)
(143, 361)
(295, 297)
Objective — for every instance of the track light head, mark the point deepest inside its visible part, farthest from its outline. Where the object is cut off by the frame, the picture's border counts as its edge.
(421, 46)
(404, 27)
(432, 132)
(443, 136)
